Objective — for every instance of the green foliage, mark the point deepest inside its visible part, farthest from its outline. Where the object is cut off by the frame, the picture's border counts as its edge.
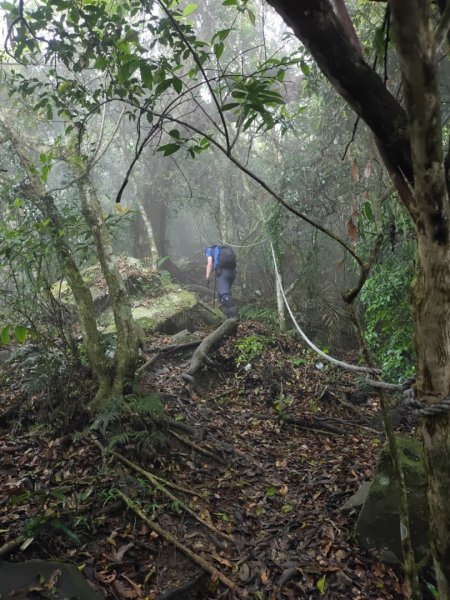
(266, 314)
(250, 348)
(387, 315)
(132, 420)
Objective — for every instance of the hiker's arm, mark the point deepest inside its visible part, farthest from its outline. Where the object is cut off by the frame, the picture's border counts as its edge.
(209, 265)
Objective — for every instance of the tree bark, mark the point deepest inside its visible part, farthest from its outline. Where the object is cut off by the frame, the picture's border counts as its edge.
(127, 339)
(431, 305)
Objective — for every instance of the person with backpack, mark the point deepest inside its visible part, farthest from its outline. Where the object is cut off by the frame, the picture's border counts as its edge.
(222, 261)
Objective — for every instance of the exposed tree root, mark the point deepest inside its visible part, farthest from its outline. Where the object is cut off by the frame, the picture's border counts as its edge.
(206, 566)
(165, 350)
(200, 356)
(160, 487)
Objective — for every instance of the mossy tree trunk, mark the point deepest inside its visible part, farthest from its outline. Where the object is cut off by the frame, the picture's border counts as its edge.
(36, 192)
(431, 305)
(127, 339)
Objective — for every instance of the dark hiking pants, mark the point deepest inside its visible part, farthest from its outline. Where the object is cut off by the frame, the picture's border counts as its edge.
(225, 278)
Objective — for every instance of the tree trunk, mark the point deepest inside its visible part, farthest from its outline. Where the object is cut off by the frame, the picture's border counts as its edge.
(36, 192)
(127, 339)
(148, 228)
(431, 304)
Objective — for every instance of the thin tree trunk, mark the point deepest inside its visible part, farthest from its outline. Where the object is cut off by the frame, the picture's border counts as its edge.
(280, 304)
(127, 338)
(148, 228)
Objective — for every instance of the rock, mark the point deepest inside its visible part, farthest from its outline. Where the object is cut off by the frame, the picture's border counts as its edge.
(378, 525)
(358, 499)
(184, 337)
(56, 581)
(157, 305)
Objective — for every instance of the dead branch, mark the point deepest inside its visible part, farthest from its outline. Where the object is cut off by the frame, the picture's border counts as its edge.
(206, 566)
(160, 487)
(12, 545)
(196, 447)
(147, 474)
(200, 356)
(310, 424)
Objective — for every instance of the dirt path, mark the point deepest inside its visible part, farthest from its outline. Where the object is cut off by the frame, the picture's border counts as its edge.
(277, 489)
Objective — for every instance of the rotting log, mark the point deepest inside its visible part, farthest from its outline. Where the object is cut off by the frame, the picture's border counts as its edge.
(200, 356)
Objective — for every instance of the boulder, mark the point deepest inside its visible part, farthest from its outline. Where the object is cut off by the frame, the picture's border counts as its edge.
(44, 579)
(378, 524)
(157, 305)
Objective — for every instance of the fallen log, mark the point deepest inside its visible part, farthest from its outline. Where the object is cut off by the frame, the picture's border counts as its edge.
(200, 356)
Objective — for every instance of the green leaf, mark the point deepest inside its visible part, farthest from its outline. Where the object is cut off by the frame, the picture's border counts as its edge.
(367, 209)
(4, 335)
(146, 75)
(229, 3)
(177, 85)
(21, 333)
(321, 584)
(252, 17)
(271, 491)
(57, 524)
(175, 134)
(305, 69)
(169, 149)
(221, 35)
(230, 106)
(189, 8)
(218, 49)
(162, 87)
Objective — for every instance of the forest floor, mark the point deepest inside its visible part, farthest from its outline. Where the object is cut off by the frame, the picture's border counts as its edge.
(289, 441)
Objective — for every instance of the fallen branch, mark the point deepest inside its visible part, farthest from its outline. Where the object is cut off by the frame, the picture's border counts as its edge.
(196, 447)
(147, 474)
(12, 545)
(319, 426)
(200, 356)
(165, 350)
(160, 487)
(206, 566)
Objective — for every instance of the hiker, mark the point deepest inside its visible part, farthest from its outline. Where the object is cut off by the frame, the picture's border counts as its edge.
(222, 261)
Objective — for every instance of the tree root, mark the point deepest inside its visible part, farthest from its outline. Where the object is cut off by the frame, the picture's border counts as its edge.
(160, 487)
(200, 356)
(165, 350)
(196, 447)
(206, 566)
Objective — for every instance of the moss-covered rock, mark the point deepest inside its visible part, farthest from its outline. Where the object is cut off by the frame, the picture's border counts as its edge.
(378, 525)
(156, 304)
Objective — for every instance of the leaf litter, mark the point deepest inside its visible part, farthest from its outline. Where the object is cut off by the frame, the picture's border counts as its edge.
(291, 454)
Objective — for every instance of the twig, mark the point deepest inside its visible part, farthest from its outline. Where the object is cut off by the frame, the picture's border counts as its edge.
(206, 566)
(160, 487)
(196, 447)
